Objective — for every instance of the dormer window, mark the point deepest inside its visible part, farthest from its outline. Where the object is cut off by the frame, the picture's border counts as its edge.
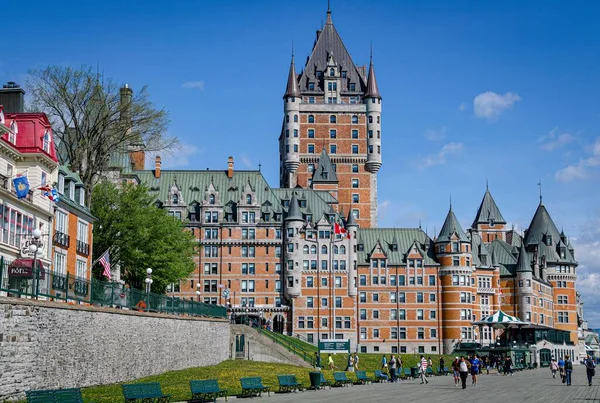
(14, 130)
(61, 184)
(46, 144)
(72, 191)
(549, 240)
(311, 86)
(81, 197)
(211, 199)
(332, 72)
(352, 87)
(175, 198)
(2, 117)
(248, 199)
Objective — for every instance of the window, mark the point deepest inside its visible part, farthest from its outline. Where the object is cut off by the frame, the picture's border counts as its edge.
(356, 214)
(60, 264)
(355, 198)
(402, 296)
(331, 72)
(402, 332)
(311, 86)
(432, 297)
(332, 149)
(332, 119)
(420, 297)
(363, 314)
(563, 317)
(402, 314)
(432, 315)
(455, 261)
(363, 333)
(311, 134)
(563, 299)
(355, 183)
(311, 119)
(354, 133)
(354, 119)
(309, 302)
(332, 133)
(355, 149)
(82, 232)
(431, 280)
(338, 302)
(362, 280)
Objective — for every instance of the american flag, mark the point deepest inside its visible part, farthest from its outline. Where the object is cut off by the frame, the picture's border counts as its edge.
(105, 262)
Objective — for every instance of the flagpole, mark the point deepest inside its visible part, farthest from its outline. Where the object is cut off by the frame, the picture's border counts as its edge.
(97, 260)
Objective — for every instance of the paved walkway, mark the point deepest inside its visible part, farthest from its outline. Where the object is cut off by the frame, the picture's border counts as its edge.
(530, 386)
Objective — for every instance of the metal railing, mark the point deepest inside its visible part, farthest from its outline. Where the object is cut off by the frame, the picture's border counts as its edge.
(61, 239)
(289, 344)
(41, 284)
(83, 248)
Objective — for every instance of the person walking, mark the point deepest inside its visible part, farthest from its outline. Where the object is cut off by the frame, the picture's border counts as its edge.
(442, 371)
(463, 368)
(399, 366)
(568, 369)
(356, 362)
(392, 368)
(384, 365)
(553, 367)
(423, 370)
(456, 371)
(590, 368)
(330, 362)
(350, 365)
(317, 361)
(475, 364)
(561, 369)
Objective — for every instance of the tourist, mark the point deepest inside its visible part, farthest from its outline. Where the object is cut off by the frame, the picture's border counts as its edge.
(356, 362)
(456, 370)
(590, 368)
(463, 368)
(553, 367)
(317, 361)
(330, 362)
(430, 363)
(399, 366)
(568, 370)
(392, 368)
(423, 370)
(384, 364)
(561, 369)
(350, 365)
(442, 371)
(475, 364)
(508, 366)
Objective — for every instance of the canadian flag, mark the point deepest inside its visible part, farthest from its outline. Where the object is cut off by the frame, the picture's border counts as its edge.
(339, 229)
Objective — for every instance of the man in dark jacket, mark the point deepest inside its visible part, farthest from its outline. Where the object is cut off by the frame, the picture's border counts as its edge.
(590, 368)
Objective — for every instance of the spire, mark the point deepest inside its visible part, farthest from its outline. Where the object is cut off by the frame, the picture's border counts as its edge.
(488, 211)
(372, 90)
(351, 222)
(451, 226)
(540, 185)
(541, 225)
(292, 89)
(324, 172)
(328, 13)
(523, 264)
(294, 213)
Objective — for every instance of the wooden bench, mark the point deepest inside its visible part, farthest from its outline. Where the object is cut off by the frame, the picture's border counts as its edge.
(340, 379)
(288, 383)
(362, 378)
(325, 382)
(72, 395)
(253, 386)
(207, 389)
(145, 393)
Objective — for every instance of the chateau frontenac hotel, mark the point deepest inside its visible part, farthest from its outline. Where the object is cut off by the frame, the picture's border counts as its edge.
(307, 259)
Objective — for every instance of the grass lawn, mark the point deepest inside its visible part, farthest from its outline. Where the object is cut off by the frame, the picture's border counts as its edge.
(176, 383)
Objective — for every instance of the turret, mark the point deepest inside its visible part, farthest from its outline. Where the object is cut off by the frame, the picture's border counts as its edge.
(293, 224)
(524, 286)
(291, 126)
(372, 100)
(352, 228)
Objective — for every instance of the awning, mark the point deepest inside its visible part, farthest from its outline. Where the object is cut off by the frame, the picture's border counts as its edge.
(588, 348)
(24, 268)
(501, 320)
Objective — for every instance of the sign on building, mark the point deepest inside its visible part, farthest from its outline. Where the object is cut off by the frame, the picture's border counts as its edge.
(334, 346)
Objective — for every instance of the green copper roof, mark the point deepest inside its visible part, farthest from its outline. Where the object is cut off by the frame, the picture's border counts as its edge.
(541, 224)
(310, 202)
(324, 172)
(502, 253)
(488, 211)
(451, 226)
(406, 237)
(64, 200)
(523, 264)
(543, 232)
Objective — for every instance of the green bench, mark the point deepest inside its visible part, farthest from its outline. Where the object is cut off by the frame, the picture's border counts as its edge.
(253, 386)
(380, 376)
(288, 383)
(407, 373)
(340, 379)
(325, 382)
(429, 372)
(72, 395)
(362, 378)
(144, 393)
(207, 389)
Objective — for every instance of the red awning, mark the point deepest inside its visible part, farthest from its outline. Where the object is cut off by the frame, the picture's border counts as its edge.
(23, 268)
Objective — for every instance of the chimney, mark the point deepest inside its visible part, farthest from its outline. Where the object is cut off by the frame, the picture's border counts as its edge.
(12, 97)
(230, 167)
(125, 103)
(157, 165)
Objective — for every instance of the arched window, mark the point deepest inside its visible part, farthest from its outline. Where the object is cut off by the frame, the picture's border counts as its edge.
(331, 72)
(335, 250)
(354, 119)
(287, 119)
(370, 119)
(313, 250)
(305, 249)
(378, 119)
(342, 250)
(296, 118)
(332, 119)
(211, 199)
(248, 199)
(175, 198)
(311, 118)
(324, 250)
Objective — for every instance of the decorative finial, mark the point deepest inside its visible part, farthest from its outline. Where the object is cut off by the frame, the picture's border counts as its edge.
(328, 6)
(540, 185)
(292, 49)
(487, 187)
(259, 165)
(419, 223)
(450, 202)
(371, 53)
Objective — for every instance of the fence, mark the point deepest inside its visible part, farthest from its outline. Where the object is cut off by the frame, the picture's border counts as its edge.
(35, 282)
(297, 348)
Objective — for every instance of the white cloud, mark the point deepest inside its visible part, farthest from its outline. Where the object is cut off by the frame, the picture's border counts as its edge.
(462, 107)
(587, 253)
(584, 169)
(435, 134)
(193, 85)
(178, 158)
(246, 161)
(490, 105)
(554, 139)
(440, 157)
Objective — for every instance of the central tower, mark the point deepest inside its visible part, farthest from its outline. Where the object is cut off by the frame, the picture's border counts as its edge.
(333, 107)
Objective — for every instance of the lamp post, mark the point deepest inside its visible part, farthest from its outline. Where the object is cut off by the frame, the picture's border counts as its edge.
(34, 246)
(198, 291)
(148, 285)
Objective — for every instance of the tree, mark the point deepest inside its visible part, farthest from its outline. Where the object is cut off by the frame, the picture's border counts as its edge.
(93, 118)
(140, 235)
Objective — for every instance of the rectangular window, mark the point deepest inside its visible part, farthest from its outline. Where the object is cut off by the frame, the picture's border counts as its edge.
(354, 168)
(420, 315)
(432, 314)
(332, 149)
(354, 133)
(402, 333)
(332, 133)
(311, 134)
(402, 297)
(355, 183)
(402, 314)
(362, 280)
(355, 198)
(354, 148)
(309, 302)
(363, 314)
(338, 302)
(420, 297)
(431, 280)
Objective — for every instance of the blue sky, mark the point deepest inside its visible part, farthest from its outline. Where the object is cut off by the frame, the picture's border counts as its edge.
(506, 91)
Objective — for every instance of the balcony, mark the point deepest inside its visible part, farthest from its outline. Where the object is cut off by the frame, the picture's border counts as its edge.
(61, 239)
(485, 290)
(83, 248)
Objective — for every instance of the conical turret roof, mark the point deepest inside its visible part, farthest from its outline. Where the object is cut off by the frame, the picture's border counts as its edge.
(523, 264)
(541, 225)
(451, 226)
(372, 90)
(488, 211)
(351, 222)
(292, 89)
(324, 172)
(294, 213)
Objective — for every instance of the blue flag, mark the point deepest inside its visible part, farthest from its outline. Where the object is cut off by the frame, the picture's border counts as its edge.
(21, 184)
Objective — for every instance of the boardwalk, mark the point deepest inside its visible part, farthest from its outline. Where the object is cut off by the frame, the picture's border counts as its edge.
(529, 386)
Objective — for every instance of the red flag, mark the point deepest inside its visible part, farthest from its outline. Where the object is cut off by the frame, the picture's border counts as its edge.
(339, 229)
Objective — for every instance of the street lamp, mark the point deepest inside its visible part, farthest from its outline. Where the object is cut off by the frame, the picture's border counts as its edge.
(148, 279)
(34, 246)
(198, 291)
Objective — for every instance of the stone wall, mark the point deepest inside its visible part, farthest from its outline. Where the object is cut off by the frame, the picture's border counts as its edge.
(48, 345)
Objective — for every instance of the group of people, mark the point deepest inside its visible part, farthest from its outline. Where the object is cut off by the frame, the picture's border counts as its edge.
(352, 365)
(393, 367)
(462, 367)
(564, 367)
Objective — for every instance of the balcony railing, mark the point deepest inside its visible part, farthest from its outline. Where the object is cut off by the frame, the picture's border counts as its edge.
(61, 239)
(83, 248)
(485, 290)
